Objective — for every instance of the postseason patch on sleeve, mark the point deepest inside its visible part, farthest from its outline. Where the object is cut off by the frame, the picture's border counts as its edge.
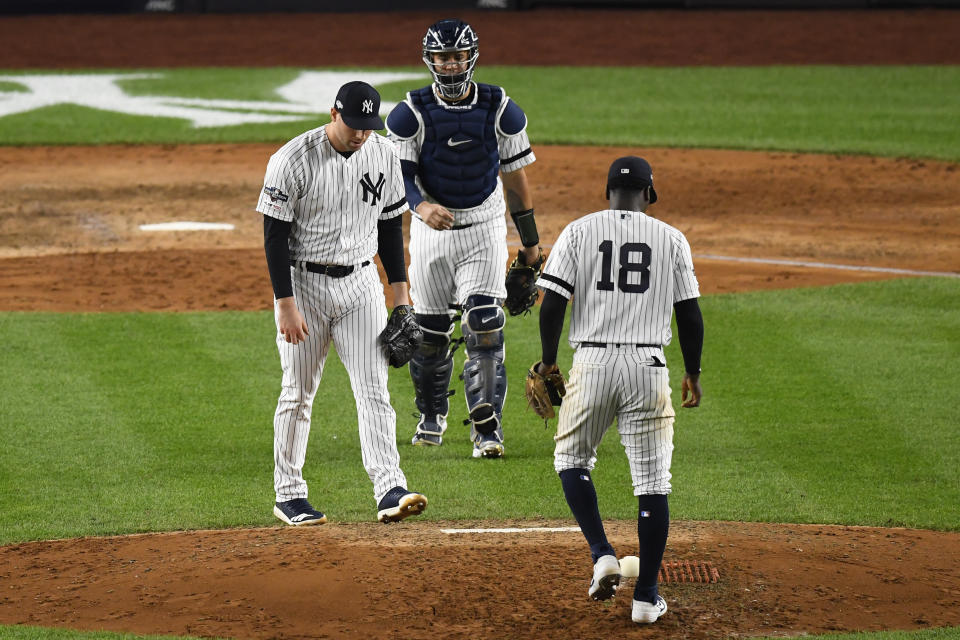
(275, 194)
(272, 199)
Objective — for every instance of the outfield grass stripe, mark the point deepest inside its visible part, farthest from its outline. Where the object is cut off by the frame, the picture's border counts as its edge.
(896, 111)
(818, 369)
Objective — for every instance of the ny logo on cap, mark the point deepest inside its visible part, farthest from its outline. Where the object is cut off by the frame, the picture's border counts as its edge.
(368, 106)
(339, 105)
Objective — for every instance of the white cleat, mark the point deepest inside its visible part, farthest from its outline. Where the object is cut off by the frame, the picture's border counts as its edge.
(646, 613)
(606, 578)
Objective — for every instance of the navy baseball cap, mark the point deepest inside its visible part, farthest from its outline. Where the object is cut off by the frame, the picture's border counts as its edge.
(631, 172)
(359, 105)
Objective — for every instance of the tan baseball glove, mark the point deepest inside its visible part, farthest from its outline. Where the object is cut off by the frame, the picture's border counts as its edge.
(545, 390)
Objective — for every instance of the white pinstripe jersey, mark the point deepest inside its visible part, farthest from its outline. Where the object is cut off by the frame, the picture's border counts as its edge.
(508, 146)
(333, 202)
(624, 271)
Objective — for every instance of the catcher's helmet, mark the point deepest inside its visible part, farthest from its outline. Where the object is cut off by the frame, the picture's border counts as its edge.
(447, 36)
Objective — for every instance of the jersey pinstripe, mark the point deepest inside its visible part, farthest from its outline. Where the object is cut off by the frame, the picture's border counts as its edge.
(453, 264)
(348, 313)
(624, 270)
(334, 204)
(623, 384)
(330, 199)
(509, 146)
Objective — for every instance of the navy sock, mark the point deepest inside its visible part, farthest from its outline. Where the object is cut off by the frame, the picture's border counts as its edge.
(582, 499)
(653, 524)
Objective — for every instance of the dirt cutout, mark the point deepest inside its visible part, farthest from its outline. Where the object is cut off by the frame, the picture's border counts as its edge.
(70, 240)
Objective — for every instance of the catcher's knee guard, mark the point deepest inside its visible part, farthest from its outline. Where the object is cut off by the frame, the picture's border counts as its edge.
(484, 376)
(431, 367)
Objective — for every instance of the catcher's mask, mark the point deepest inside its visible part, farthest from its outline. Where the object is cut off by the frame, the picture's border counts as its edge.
(447, 36)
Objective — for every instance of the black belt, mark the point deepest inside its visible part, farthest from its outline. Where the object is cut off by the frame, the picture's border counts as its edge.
(332, 270)
(604, 345)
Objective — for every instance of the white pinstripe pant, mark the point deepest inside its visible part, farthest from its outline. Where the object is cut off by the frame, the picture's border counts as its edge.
(617, 382)
(447, 266)
(350, 312)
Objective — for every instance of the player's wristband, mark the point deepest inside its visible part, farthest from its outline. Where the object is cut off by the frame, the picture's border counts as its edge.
(526, 227)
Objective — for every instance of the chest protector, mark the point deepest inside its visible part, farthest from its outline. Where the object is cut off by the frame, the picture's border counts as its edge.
(459, 160)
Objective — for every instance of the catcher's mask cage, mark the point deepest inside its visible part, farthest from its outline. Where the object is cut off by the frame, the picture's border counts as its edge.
(449, 36)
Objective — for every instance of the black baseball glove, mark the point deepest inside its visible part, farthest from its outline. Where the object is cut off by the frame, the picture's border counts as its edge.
(402, 335)
(522, 285)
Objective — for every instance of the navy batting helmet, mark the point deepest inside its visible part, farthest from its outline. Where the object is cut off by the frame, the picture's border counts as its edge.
(448, 36)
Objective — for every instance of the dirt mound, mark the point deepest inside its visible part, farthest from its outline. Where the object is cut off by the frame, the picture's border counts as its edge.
(412, 580)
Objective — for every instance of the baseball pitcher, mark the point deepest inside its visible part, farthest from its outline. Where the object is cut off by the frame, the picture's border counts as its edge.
(331, 198)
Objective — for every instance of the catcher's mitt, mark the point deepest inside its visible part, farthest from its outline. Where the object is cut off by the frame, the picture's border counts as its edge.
(402, 335)
(521, 285)
(545, 390)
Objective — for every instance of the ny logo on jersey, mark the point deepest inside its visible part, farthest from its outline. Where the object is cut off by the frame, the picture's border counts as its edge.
(367, 106)
(374, 190)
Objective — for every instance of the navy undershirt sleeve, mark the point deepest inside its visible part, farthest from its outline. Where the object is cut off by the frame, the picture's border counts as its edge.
(690, 333)
(275, 244)
(390, 248)
(409, 169)
(552, 309)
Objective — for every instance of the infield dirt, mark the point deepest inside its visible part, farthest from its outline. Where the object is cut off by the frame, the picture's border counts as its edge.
(70, 241)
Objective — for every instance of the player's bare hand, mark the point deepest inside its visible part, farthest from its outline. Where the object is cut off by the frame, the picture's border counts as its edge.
(690, 391)
(544, 369)
(530, 254)
(290, 322)
(436, 216)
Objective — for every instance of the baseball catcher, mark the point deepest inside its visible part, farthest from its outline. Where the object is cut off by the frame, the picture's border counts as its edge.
(402, 335)
(545, 389)
(463, 149)
(521, 284)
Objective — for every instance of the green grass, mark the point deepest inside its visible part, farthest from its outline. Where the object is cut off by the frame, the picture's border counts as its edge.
(890, 111)
(822, 405)
(909, 111)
